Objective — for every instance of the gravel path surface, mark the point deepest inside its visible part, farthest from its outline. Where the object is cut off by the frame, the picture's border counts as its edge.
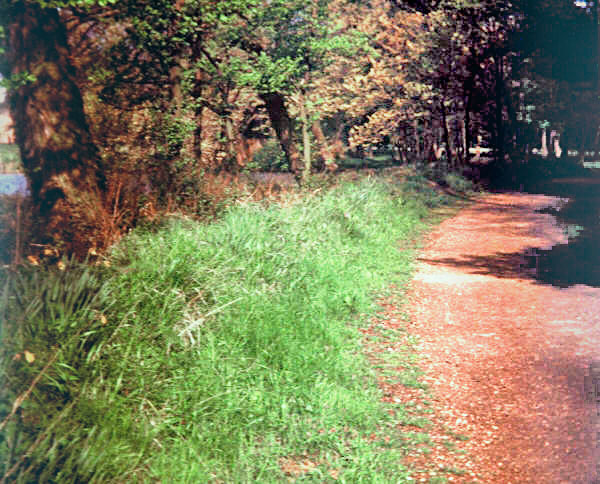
(506, 356)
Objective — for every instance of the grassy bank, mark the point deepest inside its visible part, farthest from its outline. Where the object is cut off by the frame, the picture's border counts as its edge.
(227, 352)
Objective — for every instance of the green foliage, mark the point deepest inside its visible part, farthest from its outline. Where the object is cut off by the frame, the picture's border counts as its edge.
(269, 158)
(173, 173)
(266, 74)
(209, 352)
(459, 183)
(421, 188)
(283, 40)
(10, 159)
(347, 45)
(74, 3)
(17, 80)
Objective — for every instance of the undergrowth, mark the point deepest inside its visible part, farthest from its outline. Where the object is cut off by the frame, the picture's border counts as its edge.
(222, 352)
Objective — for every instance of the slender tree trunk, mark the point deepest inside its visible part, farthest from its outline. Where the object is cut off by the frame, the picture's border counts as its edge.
(305, 138)
(198, 135)
(499, 108)
(231, 164)
(283, 125)
(464, 145)
(457, 139)
(176, 99)
(468, 137)
(429, 140)
(60, 160)
(446, 135)
(338, 146)
(417, 139)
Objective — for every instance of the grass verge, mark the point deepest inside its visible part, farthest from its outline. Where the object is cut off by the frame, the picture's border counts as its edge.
(227, 352)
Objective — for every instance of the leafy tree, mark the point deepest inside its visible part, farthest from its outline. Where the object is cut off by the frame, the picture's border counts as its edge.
(284, 44)
(557, 76)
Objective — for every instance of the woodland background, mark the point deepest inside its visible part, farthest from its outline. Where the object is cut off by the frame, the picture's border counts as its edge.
(124, 109)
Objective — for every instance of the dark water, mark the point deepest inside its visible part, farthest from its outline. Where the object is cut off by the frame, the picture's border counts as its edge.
(12, 184)
(578, 261)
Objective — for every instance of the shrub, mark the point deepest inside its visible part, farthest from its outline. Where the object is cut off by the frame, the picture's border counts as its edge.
(269, 158)
(459, 183)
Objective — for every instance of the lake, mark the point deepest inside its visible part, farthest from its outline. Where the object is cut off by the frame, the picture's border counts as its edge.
(578, 261)
(13, 183)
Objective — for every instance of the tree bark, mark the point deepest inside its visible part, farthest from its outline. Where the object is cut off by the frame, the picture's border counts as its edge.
(325, 150)
(446, 135)
(305, 138)
(429, 140)
(417, 138)
(230, 162)
(283, 125)
(338, 146)
(499, 142)
(58, 155)
(467, 128)
(463, 140)
(198, 135)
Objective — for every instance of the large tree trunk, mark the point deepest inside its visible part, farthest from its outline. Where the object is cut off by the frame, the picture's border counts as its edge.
(60, 160)
(283, 125)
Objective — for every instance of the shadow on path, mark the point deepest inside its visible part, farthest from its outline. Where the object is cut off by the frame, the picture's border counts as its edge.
(560, 266)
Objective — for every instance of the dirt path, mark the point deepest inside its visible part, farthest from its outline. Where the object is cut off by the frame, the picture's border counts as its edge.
(507, 356)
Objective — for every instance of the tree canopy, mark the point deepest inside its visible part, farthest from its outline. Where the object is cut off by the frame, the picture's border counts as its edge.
(158, 96)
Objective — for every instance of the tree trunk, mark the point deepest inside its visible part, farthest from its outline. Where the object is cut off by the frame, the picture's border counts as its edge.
(417, 138)
(467, 129)
(305, 138)
(283, 126)
(326, 151)
(198, 135)
(446, 135)
(499, 142)
(176, 99)
(338, 146)
(429, 134)
(230, 161)
(59, 157)
(463, 139)
(468, 88)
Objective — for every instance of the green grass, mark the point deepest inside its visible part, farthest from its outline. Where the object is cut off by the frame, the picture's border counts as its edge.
(213, 352)
(378, 161)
